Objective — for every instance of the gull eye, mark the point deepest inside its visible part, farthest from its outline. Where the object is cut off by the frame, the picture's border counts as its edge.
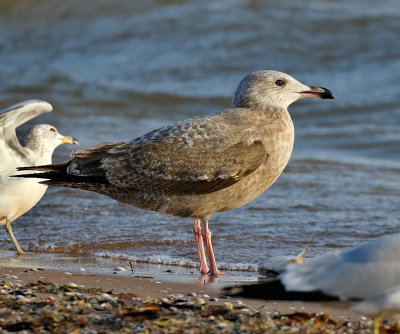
(52, 130)
(279, 82)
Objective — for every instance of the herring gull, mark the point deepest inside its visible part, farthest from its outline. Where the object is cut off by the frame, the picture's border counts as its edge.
(199, 166)
(364, 272)
(36, 148)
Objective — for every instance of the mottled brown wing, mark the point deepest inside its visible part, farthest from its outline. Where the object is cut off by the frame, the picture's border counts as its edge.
(171, 168)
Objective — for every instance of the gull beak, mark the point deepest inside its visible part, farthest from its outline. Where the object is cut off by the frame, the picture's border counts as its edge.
(69, 140)
(318, 92)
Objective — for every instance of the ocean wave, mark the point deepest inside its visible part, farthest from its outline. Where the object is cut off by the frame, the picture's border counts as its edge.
(173, 261)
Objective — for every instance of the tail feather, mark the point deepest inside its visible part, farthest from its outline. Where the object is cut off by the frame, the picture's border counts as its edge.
(59, 167)
(57, 175)
(274, 290)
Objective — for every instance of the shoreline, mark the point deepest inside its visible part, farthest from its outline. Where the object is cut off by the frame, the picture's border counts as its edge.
(156, 281)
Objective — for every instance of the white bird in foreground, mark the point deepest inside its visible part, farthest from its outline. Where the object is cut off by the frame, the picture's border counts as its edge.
(18, 195)
(369, 272)
(199, 166)
(358, 273)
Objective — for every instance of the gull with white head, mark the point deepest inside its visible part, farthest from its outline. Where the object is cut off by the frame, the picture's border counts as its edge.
(37, 145)
(369, 273)
(199, 166)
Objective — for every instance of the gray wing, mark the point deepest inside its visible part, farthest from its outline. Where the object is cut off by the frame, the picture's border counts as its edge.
(361, 272)
(12, 117)
(166, 161)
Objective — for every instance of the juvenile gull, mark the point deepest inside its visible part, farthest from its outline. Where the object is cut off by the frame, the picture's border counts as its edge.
(199, 166)
(18, 196)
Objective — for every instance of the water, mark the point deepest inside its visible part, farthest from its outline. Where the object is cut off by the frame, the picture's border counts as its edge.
(116, 69)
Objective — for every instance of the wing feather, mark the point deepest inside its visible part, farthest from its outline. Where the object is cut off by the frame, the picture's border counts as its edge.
(12, 117)
(181, 159)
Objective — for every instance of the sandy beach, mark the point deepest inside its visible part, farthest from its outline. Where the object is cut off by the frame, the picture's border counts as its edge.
(157, 293)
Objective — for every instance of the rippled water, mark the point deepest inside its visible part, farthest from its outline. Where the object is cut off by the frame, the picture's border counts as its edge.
(116, 69)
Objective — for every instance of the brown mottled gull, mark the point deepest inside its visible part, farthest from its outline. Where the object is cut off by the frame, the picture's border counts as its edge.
(18, 196)
(199, 166)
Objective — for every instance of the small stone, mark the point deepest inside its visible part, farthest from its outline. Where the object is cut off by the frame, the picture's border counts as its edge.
(228, 306)
(22, 298)
(105, 296)
(67, 273)
(192, 294)
(214, 299)
(200, 301)
(82, 269)
(221, 325)
(72, 285)
(204, 295)
(119, 269)
(176, 295)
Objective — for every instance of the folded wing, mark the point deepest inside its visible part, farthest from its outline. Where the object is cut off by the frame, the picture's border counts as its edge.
(168, 164)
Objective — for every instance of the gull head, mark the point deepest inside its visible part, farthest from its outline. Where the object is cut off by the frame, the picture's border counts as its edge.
(266, 89)
(44, 138)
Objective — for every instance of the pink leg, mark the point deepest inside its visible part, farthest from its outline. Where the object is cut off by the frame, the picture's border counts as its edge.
(200, 247)
(207, 239)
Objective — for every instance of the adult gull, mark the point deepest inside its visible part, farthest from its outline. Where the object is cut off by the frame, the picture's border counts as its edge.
(369, 273)
(199, 166)
(37, 145)
(364, 272)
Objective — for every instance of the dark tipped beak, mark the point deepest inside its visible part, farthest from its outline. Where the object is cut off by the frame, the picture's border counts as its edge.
(318, 92)
(69, 140)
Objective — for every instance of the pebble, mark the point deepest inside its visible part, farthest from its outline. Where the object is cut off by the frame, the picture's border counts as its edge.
(119, 269)
(72, 285)
(22, 298)
(214, 299)
(228, 306)
(105, 296)
(82, 269)
(192, 294)
(200, 301)
(67, 273)
(9, 276)
(176, 295)
(221, 325)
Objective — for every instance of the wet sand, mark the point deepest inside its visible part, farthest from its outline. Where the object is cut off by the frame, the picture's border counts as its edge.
(156, 281)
